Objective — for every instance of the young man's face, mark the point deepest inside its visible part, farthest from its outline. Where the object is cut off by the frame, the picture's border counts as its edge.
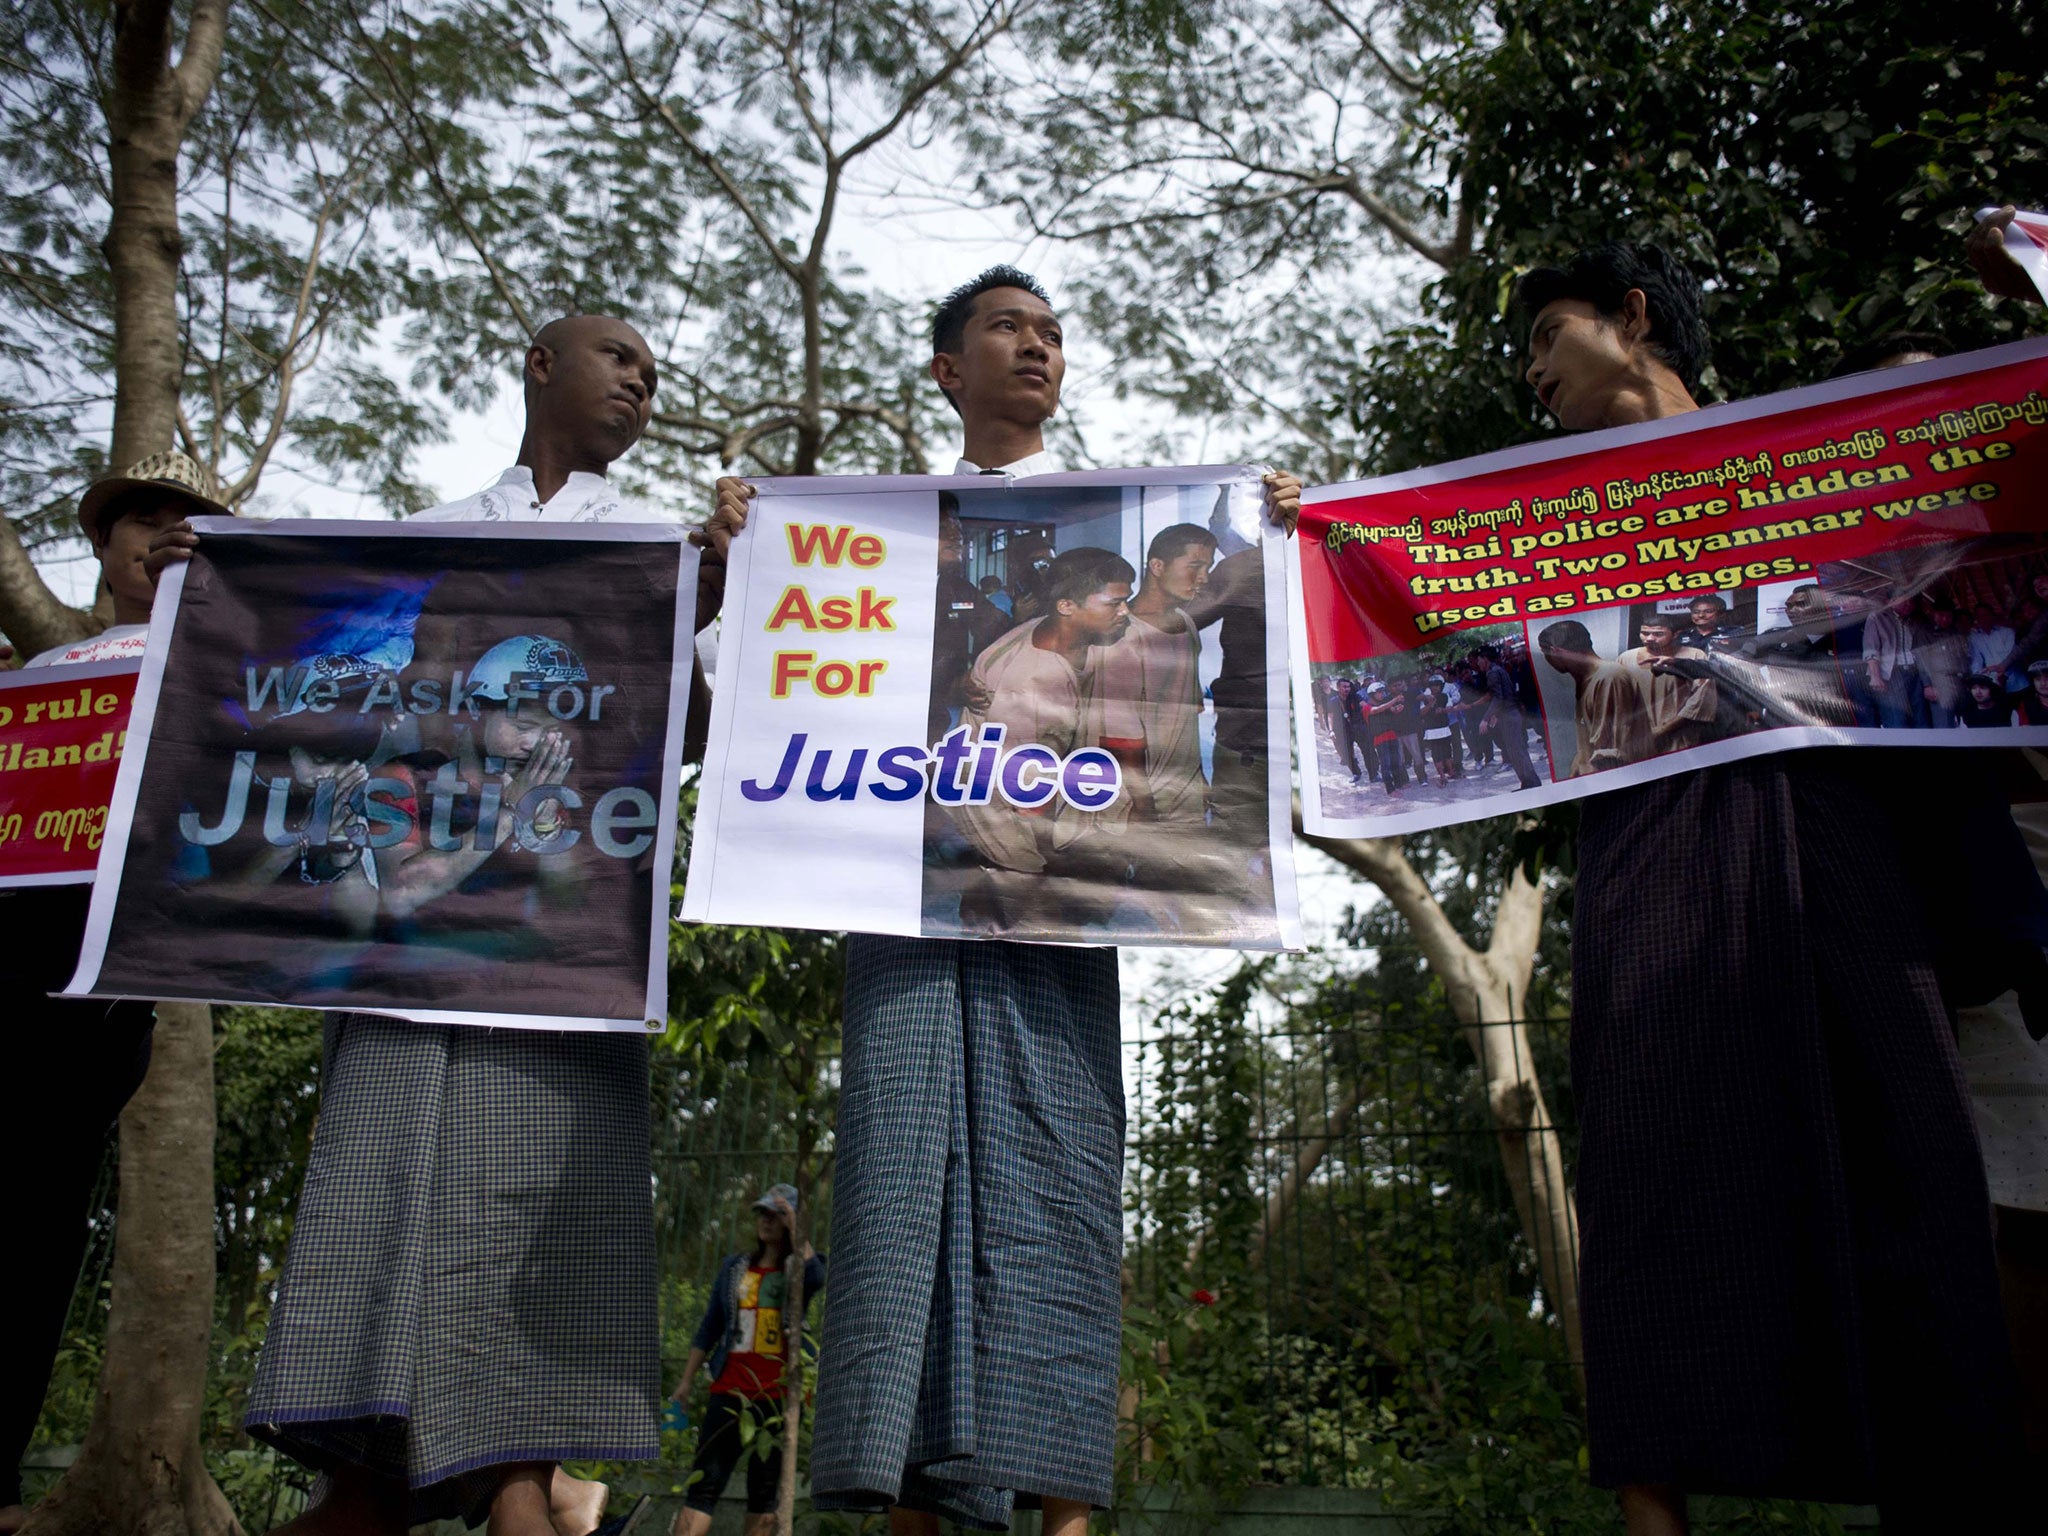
(136, 519)
(1011, 359)
(513, 737)
(1981, 692)
(1102, 616)
(1658, 636)
(1186, 574)
(599, 383)
(1706, 616)
(1577, 361)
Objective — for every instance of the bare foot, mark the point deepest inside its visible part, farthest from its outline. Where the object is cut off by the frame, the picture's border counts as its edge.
(520, 1506)
(576, 1504)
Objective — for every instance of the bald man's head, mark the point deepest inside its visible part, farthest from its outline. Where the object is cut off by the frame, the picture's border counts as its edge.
(590, 381)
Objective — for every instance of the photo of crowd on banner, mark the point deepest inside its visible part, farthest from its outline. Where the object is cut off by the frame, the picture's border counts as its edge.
(1942, 637)
(1139, 632)
(1456, 720)
(398, 775)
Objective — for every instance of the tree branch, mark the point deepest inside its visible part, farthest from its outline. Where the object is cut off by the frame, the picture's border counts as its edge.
(199, 65)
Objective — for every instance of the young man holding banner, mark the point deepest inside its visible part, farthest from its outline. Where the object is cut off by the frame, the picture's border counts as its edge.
(469, 1295)
(1786, 1250)
(71, 1064)
(970, 1358)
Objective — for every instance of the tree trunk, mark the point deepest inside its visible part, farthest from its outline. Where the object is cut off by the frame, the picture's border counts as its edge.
(141, 1469)
(150, 102)
(30, 614)
(792, 1374)
(1487, 989)
(810, 414)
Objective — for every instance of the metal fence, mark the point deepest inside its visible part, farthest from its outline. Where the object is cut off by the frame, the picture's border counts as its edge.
(1325, 1204)
(1333, 1190)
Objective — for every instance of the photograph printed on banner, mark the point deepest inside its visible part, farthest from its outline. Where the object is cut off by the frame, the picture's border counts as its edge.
(406, 774)
(1456, 720)
(1123, 632)
(1938, 637)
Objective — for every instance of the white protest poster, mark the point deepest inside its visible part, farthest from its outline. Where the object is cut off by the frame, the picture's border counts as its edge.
(1049, 709)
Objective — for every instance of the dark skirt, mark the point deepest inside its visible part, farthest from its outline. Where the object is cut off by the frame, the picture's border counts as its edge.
(973, 1327)
(471, 1275)
(1787, 1278)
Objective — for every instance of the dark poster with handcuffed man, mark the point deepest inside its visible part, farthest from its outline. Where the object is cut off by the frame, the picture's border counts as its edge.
(414, 771)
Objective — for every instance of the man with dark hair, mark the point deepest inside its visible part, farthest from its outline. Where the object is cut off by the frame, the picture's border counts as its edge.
(1682, 703)
(1710, 629)
(970, 1356)
(1152, 697)
(1598, 324)
(442, 1338)
(1786, 1251)
(1354, 745)
(1502, 719)
(1890, 668)
(1044, 682)
(1613, 716)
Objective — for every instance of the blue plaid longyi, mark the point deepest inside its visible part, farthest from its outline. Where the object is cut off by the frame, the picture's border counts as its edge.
(972, 1331)
(471, 1276)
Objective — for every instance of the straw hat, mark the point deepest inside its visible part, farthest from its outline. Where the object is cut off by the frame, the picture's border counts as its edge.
(169, 470)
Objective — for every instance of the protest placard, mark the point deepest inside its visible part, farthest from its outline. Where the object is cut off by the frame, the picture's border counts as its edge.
(427, 770)
(1049, 709)
(1857, 562)
(61, 736)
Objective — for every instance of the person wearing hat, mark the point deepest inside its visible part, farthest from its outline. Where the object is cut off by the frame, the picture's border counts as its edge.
(71, 1064)
(742, 1339)
(120, 515)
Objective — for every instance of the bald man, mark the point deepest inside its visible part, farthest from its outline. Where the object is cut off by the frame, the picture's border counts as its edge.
(468, 1299)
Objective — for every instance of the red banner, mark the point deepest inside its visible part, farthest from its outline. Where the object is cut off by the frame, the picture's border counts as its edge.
(62, 730)
(1892, 499)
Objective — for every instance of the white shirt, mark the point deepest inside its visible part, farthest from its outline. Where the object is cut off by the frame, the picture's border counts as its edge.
(511, 498)
(1039, 463)
(120, 642)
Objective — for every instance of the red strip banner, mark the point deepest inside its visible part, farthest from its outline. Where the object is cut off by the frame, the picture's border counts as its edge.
(62, 730)
(1838, 562)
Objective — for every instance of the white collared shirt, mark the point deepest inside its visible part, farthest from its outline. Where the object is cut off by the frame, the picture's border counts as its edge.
(1039, 463)
(583, 498)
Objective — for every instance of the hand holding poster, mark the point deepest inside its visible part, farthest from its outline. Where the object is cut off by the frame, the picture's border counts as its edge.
(62, 732)
(1832, 565)
(1047, 709)
(427, 770)
(2025, 240)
